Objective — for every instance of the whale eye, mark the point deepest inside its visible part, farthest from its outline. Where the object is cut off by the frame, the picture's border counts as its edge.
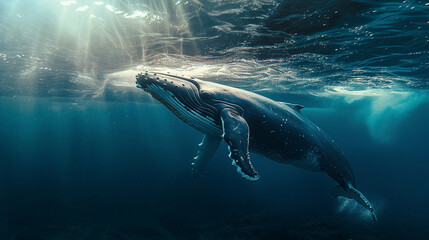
(205, 94)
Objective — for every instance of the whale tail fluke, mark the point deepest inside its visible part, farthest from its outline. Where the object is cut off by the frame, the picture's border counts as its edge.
(352, 193)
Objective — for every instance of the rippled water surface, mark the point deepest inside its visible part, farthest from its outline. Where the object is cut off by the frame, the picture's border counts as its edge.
(84, 154)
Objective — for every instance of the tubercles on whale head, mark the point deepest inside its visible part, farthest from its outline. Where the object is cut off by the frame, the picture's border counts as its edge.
(165, 81)
(182, 97)
(205, 94)
(163, 87)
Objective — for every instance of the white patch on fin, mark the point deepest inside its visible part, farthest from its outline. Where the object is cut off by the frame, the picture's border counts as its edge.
(206, 150)
(245, 176)
(240, 146)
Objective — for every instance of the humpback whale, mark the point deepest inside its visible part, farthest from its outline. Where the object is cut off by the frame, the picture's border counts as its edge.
(249, 122)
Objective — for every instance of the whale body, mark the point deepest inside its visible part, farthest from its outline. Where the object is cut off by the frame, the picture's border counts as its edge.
(249, 122)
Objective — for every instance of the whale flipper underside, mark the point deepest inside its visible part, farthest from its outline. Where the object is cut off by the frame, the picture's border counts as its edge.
(236, 135)
(352, 193)
(206, 150)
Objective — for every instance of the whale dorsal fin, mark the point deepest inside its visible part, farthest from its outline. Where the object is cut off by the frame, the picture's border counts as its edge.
(206, 150)
(236, 135)
(297, 107)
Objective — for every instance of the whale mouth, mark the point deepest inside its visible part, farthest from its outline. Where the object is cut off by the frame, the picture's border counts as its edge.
(181, 95)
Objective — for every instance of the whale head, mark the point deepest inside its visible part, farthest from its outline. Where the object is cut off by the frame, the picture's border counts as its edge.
(183, 97)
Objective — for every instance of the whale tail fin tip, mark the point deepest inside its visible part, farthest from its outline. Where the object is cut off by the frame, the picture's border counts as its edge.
(352, 193)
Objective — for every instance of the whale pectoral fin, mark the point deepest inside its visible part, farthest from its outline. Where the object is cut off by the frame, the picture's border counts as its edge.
(236, 135)
(206, 150)
(352, 193)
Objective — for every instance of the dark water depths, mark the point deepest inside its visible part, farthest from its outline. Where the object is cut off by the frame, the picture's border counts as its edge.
(86, 155)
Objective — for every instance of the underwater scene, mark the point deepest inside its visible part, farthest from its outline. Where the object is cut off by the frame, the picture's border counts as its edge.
(85, 153)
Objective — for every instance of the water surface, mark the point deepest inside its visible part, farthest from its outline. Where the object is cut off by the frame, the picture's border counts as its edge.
(86, 155)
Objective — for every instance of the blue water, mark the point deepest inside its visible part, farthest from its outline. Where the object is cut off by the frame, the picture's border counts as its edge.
(86, 155)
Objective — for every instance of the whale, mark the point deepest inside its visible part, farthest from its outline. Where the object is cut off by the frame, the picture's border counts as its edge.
(249, 122)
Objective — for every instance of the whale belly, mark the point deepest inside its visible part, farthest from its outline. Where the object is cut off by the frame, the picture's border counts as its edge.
(309, 162)
(287, 138)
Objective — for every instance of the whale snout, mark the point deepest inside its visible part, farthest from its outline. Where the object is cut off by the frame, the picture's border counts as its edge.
(145, 79)
(168, 82)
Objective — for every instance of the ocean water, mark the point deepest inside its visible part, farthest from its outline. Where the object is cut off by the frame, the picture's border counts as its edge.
(84, 154)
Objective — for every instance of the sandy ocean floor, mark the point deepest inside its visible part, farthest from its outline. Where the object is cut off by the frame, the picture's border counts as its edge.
(234, 227)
